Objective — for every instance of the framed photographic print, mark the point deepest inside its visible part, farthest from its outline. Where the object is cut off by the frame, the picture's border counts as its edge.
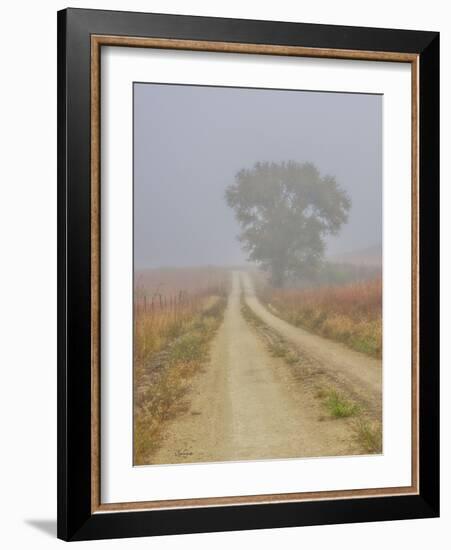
(248, 274)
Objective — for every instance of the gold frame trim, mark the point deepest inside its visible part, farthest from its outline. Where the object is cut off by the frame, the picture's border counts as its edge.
(97, 41)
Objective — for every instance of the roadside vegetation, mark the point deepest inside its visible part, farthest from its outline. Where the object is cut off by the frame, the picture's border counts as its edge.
(337, 404)
(369, 435)
(367, 432)
(175, 319)
(351, 314)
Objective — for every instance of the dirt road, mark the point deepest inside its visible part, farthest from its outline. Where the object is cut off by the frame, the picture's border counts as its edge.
(358, 374)
(246, 404)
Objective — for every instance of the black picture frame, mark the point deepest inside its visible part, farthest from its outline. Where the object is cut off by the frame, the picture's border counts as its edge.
(75, 518)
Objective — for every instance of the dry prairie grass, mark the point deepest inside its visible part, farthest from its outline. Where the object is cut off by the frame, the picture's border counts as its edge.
(171, 339)
(351, 314)
(339, 404)
(165, 301)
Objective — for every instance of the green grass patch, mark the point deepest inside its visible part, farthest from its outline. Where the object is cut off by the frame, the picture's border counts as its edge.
(339, 406)
(367, 433)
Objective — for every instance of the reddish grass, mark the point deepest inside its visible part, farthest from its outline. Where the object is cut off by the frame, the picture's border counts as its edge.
(166, 300)
(176, 313)
(351, 314)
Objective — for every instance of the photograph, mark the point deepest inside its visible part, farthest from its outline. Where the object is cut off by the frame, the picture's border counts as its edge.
(257, 279)
(248, 272)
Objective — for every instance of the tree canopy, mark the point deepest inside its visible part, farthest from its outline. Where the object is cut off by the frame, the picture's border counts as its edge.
(285, 210)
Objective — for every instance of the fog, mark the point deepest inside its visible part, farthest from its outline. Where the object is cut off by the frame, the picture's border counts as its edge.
(190, 141)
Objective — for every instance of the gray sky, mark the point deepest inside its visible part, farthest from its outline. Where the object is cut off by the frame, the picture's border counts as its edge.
(189, 142)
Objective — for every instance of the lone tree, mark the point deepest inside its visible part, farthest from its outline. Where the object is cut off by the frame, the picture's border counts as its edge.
(285, 210)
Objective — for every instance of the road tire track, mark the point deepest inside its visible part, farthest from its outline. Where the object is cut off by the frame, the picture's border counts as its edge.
(247, 405)
(356, 373)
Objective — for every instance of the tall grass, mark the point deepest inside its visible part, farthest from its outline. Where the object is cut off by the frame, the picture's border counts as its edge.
(176, 313)
(165, 301)
(351, 314)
